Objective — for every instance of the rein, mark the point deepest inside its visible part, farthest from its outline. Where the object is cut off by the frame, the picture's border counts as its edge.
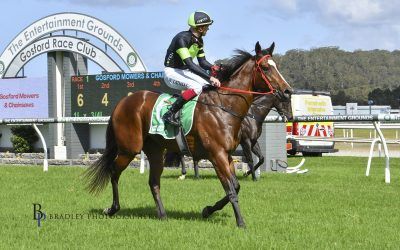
(245, 91)
(223, 108)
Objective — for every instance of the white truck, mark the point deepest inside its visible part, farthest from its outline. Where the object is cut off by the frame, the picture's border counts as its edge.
(307, 102)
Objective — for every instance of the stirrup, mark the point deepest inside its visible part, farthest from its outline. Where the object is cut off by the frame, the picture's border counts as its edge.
(169, 118)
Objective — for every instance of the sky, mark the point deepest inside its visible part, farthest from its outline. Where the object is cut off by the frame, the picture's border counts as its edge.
(149, 25)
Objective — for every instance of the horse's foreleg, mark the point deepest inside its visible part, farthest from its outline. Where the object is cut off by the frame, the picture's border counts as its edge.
(234, 187)
(257, 151)
(231, 186)
(183, 164)
(196, 169)
(246, 146)
(119, 165)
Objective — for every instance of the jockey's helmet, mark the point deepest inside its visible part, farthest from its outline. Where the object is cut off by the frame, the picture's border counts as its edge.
(199, 18)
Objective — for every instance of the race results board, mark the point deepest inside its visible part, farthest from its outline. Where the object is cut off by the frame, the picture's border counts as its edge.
(97, 95)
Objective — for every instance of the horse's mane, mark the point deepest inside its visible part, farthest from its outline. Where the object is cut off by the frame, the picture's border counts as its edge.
(232, 64)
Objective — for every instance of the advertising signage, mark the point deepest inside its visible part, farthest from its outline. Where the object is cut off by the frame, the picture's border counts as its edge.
(24, 98)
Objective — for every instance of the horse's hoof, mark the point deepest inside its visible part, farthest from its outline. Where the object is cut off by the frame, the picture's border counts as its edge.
(110, 211)
(162, 217)
(255, 179)
(205, 212)
(241, 225)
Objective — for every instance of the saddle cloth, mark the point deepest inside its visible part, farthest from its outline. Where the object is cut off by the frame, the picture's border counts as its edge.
(161, 106)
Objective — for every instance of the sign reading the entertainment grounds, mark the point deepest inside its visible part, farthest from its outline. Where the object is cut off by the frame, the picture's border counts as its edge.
(69, 21)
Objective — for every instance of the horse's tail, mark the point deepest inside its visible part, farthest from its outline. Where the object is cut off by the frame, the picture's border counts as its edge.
(99, 173)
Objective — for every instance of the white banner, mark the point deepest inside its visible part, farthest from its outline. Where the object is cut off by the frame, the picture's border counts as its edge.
(63, 43)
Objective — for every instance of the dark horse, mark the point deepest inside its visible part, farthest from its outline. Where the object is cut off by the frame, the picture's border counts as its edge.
(251, 129)
(214, 134)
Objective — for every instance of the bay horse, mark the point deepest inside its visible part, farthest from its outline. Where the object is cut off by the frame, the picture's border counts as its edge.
(214, 134)
(251, 129)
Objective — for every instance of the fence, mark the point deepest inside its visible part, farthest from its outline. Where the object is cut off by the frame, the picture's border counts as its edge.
(375, 119)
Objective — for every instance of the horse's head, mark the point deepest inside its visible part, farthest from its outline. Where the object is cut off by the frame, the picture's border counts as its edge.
(283, 107)
(267, 76)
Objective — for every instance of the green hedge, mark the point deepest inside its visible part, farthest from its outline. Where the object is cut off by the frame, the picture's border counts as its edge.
(23, 138)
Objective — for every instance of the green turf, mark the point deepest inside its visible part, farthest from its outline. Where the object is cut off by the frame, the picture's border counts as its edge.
(332, 206)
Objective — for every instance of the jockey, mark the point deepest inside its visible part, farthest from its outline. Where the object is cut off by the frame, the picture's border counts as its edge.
(180, 71)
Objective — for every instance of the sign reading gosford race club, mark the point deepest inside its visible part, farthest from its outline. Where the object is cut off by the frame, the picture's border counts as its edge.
(62, 43)
(24, 98)
(71, 21)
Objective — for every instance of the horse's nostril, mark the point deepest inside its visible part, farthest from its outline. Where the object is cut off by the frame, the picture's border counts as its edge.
(288, 91)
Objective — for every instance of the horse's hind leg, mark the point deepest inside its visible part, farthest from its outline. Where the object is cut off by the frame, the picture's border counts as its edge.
(119, 165)
(155, 157)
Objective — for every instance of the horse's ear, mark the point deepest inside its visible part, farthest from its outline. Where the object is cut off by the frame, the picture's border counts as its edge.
(271, 48)
(258, 48)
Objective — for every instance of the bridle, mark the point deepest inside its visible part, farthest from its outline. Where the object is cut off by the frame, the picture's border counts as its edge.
(263, 75)
(257, 67)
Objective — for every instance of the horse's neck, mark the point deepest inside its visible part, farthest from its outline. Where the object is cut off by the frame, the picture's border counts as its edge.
(238, 103)
(242, 78)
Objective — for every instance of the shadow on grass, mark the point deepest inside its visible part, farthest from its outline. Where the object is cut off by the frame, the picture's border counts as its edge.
(151, 213)
(239, 176)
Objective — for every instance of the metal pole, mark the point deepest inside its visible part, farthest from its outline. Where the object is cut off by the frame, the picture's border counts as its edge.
(371, 152)
(45, 161)
(142, 163)
(385, 149)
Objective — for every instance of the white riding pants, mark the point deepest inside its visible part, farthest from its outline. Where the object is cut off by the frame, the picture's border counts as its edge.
(184, 79)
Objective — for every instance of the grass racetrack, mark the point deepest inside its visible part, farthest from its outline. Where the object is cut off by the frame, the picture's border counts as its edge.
(334, 205)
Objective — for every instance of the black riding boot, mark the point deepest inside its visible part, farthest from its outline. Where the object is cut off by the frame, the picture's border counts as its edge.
(169, 117)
